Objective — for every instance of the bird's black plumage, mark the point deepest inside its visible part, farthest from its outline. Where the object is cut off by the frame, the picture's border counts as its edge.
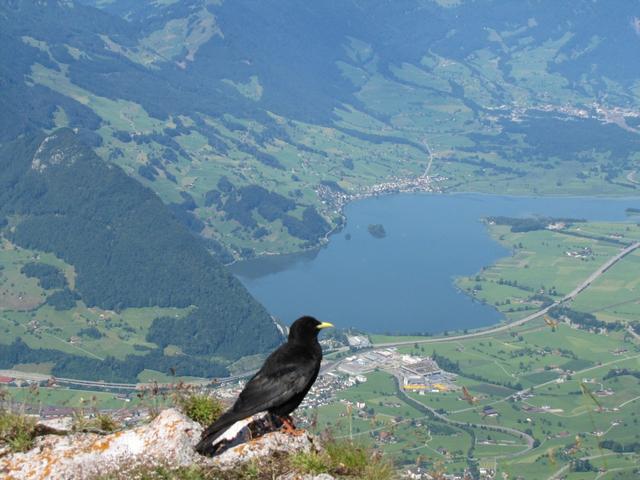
(280, 385)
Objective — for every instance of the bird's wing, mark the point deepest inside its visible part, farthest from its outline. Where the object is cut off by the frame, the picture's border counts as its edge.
(274, 386)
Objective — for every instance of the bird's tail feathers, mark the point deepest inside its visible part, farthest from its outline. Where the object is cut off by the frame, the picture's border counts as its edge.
(211, 435)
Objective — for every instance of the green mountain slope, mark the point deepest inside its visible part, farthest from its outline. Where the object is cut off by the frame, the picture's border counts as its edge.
(127, 252)
(318, 102)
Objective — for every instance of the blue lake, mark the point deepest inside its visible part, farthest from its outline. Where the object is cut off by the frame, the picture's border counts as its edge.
(405, 281)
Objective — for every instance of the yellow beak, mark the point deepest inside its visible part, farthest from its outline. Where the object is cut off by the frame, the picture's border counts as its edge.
(324, 325)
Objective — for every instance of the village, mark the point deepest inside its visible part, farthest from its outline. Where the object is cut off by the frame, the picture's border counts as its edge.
(419, 374)
(336, 200)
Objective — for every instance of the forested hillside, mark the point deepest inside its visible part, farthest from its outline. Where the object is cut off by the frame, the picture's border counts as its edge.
(127, 251)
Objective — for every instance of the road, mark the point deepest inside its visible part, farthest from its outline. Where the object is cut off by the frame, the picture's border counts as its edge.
(496, 428)
(502, 328)
(428, 169)
(579, 373)
(38, 377)
(330, 366)
(633, 333)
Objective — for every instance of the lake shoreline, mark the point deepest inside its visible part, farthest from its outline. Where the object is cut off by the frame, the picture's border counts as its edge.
(406, 282)
(339, 228)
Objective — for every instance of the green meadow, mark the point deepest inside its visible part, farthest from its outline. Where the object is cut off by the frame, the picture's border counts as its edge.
(80, 330)
(572, 401)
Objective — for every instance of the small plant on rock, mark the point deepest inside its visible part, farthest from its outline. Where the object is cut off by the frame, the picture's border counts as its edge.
(105, 423)
(310, 462)
(200, 407)
(87, 418)
(344, 459)
(17, 431)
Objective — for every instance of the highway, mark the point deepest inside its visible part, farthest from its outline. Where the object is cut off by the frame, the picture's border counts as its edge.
(38, 377)
(504, 327)
(332, 365)
(428, 169)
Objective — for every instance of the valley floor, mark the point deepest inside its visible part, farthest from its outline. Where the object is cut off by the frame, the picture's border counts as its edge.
(544, 399)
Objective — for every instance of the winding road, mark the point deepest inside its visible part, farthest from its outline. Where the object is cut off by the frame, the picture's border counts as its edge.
(496, 428)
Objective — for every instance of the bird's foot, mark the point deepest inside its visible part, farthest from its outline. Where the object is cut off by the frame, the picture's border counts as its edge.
(289, 428)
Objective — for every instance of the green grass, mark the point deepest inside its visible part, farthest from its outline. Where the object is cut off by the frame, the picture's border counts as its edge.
(616, 295)
(17, 431)
(420, 438)
(18, 292)
(150, 376)
(23, 314)
(199, 407)
(346, 459)
(539, 263)
(414, 101)
(377, 339)
(521, 357)
(430, 113)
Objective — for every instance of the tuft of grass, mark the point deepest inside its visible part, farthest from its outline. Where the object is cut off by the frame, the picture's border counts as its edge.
(342, 459)
(253, 470)
(17, 431)
(200, 407)
(87, 418)
(346, 459)
(100, 423)
(310, 462)
(105, 422)
(80, 423)
(378, 468)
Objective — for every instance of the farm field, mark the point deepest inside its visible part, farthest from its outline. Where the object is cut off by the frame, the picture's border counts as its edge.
(484, 122)
(545, 265)
(27, 312)
(572, 387)
(239, 130)
(549, 367)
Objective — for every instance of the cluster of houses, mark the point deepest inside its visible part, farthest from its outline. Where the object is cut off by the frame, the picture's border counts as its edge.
(422, 473)
(581, 253)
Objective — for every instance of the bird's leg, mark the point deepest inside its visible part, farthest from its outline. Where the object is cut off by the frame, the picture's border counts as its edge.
(288, 422)
(288, 426)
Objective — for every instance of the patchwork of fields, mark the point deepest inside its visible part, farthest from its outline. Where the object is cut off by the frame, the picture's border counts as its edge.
(573, 388)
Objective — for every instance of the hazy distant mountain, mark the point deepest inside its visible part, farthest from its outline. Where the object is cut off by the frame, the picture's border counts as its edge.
(287, 94)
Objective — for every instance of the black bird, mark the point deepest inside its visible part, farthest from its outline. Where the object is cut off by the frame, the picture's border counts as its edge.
(279, 386)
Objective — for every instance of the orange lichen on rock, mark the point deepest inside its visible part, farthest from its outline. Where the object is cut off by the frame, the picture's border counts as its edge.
(85, 454)
(168, 440)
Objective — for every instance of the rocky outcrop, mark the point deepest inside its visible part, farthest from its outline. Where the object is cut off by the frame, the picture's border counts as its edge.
(168, 440)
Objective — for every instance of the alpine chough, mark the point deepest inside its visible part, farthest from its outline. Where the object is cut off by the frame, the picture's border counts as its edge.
(279, 386)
